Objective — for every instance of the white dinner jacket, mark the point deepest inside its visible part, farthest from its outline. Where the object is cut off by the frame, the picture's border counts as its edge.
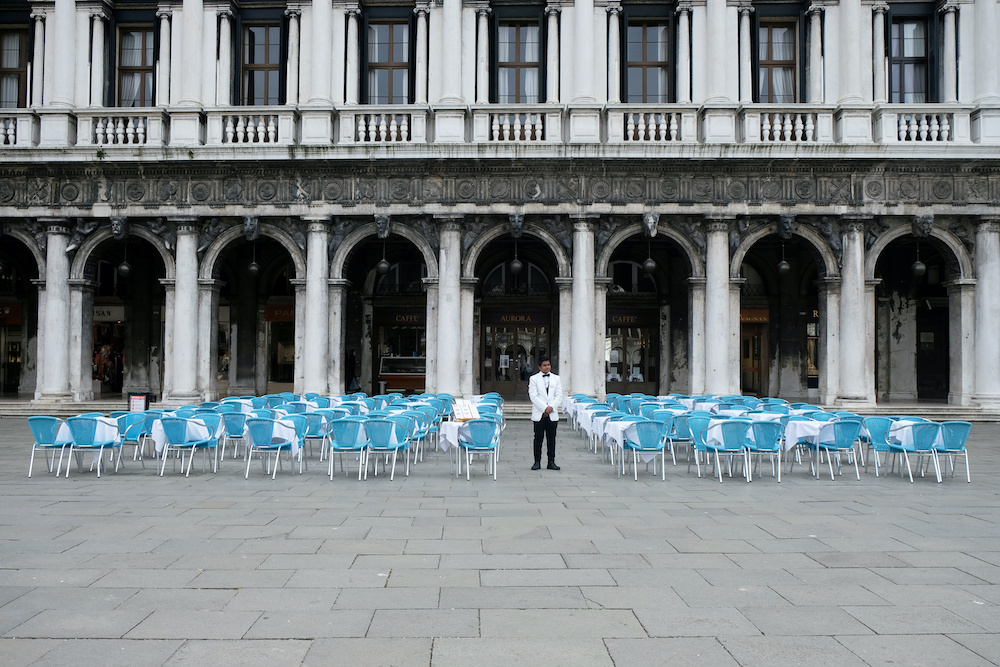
(542, 398)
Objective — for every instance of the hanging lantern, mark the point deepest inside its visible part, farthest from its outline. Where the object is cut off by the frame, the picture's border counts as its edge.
(650, 264)
(516, 266)
(124, 269)
(918, 268)
(783, 266)
(383, 266)
(254, 267)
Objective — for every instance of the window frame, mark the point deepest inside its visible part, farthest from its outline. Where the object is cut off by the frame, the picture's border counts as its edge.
(250, 18)
(913, 12)
(647, 15)
(521, 16)
(383, 16)
(779, 14)
(149, 68)
(21, 71)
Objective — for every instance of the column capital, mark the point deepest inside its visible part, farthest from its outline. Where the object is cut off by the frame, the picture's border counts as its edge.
(353, 12)
(614, 8)
(210, 284)
(39, 13)
(880, 8)
(483, 11)
(55, 225)
(815, 9)
(98, 14)
(746, 9)
(164, 13)
(224, 13)
(449, 222)
(317, 224)
(718, 223)
(684, 7)
(82, 284)
(564, 284)
(293, 12)
(298, 283)
(422, 9)
(469, 283)
(854, 223)
(556, 9)
(947, 6)
(988, 224)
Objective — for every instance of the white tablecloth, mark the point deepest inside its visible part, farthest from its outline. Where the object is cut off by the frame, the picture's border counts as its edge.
(107, 429)
(902, 432)
(450, 432)
(806, 429)
(195, 431)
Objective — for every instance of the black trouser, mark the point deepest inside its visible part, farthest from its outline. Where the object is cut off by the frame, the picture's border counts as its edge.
(546, 427)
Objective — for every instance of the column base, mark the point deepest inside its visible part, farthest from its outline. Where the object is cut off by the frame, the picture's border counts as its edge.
(183, 398)
(986, 126)
(54, 398)
(585, 125)
(449, 126)
(988, 401)
(855, 403)
(719, 124)
(853, 125)
(56, 128)
(187, 127)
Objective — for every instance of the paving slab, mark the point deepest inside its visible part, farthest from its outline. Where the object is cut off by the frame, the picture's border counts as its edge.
(655, 652)
(913, 650)
(246, 653)
(503, 652)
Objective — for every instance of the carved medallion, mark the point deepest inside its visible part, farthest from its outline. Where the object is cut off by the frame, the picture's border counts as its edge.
(135, 191)
(874, 189)
(737, 190)
(804, 189)
(909, 188)
(333, 190)
(703, 187)
(600, 189)
(70, 191)
(399, 189)
(201, 191)
(266, 190)
(669, 188)
(942, 190)
(466, 189)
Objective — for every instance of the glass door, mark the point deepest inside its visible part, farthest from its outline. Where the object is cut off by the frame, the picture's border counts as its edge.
(752, 345)
(510, 357)
(631, 360)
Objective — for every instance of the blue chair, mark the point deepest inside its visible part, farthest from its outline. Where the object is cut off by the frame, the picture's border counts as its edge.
(650, 437)
(484, 437)
(130, 427)
(924, 434)
(878, 429)
(45, 431)
(263, 441)
(175, 430)
(384, 437)
(841, 441)
(316, 429)
(301, 423)
(210, 404)
(321, 402)
(697, 426)
(767, 440)
(954, 434)
(227, 407)
(734, 441)
(669, 418)
(84, 430)
(234, 424)
(344, 437)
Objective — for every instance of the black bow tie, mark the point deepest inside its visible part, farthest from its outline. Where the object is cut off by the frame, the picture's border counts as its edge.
(545, 375)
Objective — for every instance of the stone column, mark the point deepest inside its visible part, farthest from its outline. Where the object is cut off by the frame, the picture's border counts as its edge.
(420, 66)
(987, 301)
(292, 72)
(61, 69)
(696, 339)
(987, 53)
(224, 85)
(829, 340)
(208, 337)
(449, 315)
(337, 352)
(97, 60)
(353, 57)
(38, 60)
(717, 307)
(879, 10)
(81, 339)
(683, 52)
(850, 57)
(482, 55)
(562, 357)
(55, 381)
(961, 341)
(317, 320)
(163, 63)
(467, 324)
(583, 35)
(192, 35)
(299, 337)
(601, 330)
(323, 57)
(614, 54)
(167, 349)
(185, 321)
(855, 318)
(431, 377)
(552, 54)
(815, 67)
(949, 95)
(715, 11)
(451, 83)
(746, 55)
(582, 343)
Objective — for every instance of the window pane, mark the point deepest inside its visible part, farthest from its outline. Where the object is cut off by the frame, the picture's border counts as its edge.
(634, 43)
(400, 43)
(272, 86)
(763, 88)
(399, 86)
(131, 49)
(763, 39)
(662, 43)
(10, 50)
(507, 85)
(784, 86)
(782, 43)
(913, 40)
(378, 43)
(529, 50)
(653, 91)
(529, 90)
(273, 46)
(8, 91)
(506, 43)
(378, 86)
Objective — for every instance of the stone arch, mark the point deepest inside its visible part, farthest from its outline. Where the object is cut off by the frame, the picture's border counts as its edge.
(355, 238)
(563, 261)
(952, 242)
(622, 234)
(87, 248)
(211, 257)
(29, 241)
(762, 230)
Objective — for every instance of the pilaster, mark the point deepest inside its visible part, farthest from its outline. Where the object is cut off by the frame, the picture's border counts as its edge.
(562, 357)
(987, 312)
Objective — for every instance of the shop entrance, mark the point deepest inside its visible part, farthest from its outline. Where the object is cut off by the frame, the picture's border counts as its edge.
(512, 344)
(753, 351)
(631, 353)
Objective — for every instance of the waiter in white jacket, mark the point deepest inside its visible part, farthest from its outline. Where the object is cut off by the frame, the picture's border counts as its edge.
(545, 392)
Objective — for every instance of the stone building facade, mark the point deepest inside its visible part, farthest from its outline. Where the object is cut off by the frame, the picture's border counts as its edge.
(202, 198)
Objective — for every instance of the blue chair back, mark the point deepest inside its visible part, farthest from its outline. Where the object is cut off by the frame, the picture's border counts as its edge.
(175, 430)
(321, 402)
(317, 425)
(482, 434)
(767, 435)
(260, 431)
(845, 432)
(44, 429)
(650, 435)
(227, 407)
(128, 420)
(878, 429)
(301, 423)
(235, 422)
(211, 420)
(924, 435)
(262, 413)
(184, 413)
(696, 425)
(380, 433)
(954, 434)
(345, 434)
(734, 434)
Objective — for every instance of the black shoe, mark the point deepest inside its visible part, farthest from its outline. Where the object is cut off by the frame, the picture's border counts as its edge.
(537, 466)
(552, 466)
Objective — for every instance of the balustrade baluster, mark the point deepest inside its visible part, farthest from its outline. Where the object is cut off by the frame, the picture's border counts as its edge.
(786, 129)
(404, 128)
(99, 135)
(241, 129)
(798, 127)
(923, 127)
(496, 127)
(361, 128)
(901, 128)
(506, 127)
(382, 127)
(140, 130)
(518, 127)
(945, 127)
(393, 128)
(119, 131)
(129, 131)
(673, 126)
(913, 128)
(8, 131)
(630, 127)
(810, 127)
(261, 129)
(765, 127)
(272, 128)
(230, 130)
(643, 124)
(934, 127)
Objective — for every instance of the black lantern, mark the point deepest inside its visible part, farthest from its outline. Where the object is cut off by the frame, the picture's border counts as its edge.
(650, 264)
(918, 268)
(516, 266)
(124, 269)
(783, 266)
(254, 267)
(383, 266)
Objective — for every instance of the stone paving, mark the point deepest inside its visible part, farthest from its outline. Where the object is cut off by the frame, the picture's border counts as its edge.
(575, 567)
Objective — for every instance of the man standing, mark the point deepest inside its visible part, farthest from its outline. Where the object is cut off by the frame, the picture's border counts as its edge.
(545, 392)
